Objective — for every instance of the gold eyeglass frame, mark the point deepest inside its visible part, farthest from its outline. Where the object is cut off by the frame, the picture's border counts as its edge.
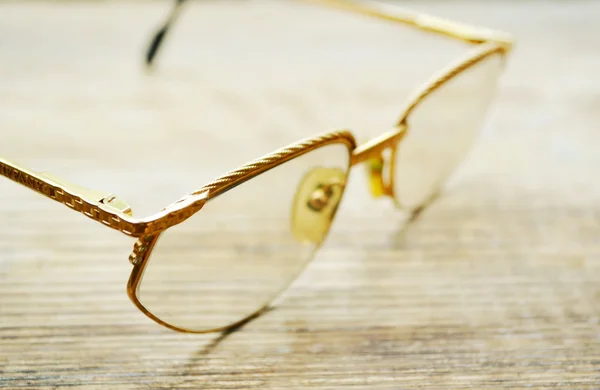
(111, 211)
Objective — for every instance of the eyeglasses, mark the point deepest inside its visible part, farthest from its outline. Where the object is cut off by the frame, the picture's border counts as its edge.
(261, 224)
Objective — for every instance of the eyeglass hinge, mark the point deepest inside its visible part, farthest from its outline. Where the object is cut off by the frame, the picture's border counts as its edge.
(116, 203)
(90, 196)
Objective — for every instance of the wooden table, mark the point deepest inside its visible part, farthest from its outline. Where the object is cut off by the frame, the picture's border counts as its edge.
(496, 285)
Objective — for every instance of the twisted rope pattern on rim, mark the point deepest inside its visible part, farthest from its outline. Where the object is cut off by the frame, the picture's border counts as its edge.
(276, 158)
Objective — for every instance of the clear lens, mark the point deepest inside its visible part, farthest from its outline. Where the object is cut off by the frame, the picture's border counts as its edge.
(236, 254)
(441, 130)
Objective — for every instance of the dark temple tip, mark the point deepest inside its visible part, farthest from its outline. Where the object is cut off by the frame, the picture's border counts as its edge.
(159, 37)
(155, 45)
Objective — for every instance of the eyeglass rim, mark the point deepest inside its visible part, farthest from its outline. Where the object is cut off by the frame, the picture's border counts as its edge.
(448, 73)
(145, 244)
(391, 140)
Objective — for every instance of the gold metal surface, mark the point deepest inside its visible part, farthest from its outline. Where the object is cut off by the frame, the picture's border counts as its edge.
(113, 212)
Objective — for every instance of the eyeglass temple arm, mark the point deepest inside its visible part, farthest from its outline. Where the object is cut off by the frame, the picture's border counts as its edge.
(62, 191)
(100, 206)
(433, 24)
(425, 22)
(159, 35)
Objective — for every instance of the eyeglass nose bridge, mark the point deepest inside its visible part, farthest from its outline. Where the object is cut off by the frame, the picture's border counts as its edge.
(380, 167)
(375, 172)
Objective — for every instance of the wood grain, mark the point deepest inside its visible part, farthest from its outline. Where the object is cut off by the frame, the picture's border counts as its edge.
(495, 286)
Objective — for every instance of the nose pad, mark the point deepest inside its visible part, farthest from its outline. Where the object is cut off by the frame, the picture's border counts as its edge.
(375, 172)
(316, 201)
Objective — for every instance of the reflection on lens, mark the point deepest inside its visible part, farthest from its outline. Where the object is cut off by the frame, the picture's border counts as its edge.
(245, 245)
(441, 130)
